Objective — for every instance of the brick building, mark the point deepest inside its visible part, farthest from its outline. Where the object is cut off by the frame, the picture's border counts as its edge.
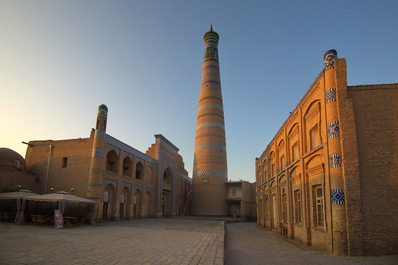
(125, 182)
(241, 199)
(329, 176)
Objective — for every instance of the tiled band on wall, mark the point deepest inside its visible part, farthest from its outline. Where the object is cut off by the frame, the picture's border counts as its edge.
(333, 129)
(210, 89)
(211, 105)
(202, 173)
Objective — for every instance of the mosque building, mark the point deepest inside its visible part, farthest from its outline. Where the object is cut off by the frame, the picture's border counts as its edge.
(125, 182)
(328, 178)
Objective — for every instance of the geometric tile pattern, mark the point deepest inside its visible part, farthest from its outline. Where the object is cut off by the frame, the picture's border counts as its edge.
(100, 134)
(333, 129)
(220, 173)
(210, 89)
(337, 196)
(211, 105)
(335, 160)
(330, 95)
(98, 153)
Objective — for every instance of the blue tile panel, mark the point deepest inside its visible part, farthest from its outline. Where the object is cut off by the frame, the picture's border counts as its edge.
(330, 95)
(335, 160)
(98, 153)
(337, 196)
(333, 129)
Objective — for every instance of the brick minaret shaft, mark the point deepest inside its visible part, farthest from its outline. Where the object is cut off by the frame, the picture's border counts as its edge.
(95, 189)
(339, 231)
(210, 158)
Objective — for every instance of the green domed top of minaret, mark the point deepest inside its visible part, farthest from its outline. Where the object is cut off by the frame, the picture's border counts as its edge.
(103, 109)
(211, 35)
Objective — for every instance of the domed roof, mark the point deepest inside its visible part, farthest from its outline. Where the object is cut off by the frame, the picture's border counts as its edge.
(10, 158)
(103, 109)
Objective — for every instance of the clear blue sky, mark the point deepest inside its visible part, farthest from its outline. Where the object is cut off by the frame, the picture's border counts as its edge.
(59, 60)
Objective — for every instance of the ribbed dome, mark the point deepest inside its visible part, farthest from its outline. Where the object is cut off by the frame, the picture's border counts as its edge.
(10, 158)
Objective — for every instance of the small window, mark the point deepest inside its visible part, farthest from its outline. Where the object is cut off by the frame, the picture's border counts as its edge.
(205, 180)
(295, 154)
(282, 162)
(314, 137)
(284, 208)
(318, 206)
(297, 206)
(233, 192)
(64, 162)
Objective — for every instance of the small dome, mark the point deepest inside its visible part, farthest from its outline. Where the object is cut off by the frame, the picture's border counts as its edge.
(329, 56)
(10, 158)
(103, 109)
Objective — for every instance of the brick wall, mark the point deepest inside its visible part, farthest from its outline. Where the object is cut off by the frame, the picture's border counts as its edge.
(376, 119)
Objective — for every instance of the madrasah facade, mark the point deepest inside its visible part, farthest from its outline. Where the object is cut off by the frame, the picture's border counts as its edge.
(328, 178)
(125, 182)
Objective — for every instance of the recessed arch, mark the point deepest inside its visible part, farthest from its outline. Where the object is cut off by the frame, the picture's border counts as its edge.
(112, 161)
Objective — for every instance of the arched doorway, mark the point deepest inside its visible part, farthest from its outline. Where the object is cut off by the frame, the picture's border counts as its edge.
(137, 204)
(166, 192)
(124, 204)
(108, 202)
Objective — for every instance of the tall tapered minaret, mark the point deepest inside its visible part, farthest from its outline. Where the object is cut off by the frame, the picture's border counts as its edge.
(210, 159)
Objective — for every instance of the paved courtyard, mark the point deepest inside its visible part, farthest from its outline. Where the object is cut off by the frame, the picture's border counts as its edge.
(148, 241)
(246, 243)
(161, 241)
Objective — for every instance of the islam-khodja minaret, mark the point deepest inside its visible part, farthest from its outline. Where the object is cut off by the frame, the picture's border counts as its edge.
(210, 159)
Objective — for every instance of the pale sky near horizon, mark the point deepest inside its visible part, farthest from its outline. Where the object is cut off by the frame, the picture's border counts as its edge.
(59, 60)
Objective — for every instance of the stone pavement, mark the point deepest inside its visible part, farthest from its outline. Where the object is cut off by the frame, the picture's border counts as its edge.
(147, 241)
(247, 243)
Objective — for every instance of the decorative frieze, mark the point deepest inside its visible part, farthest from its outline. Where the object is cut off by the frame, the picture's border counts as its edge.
(201, 173)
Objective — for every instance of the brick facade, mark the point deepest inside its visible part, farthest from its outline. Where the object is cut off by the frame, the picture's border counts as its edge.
(125, 182)
(328, 177)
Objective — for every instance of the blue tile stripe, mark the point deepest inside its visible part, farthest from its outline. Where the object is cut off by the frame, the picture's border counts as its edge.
(210, 82)
(203, 173)
(211, 66)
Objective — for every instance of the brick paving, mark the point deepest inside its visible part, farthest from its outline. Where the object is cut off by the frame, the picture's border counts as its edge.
(147, 241)
(161, 241)
(247, 243)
